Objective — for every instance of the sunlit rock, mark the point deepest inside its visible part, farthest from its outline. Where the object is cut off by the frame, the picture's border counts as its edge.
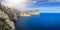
(29, 13)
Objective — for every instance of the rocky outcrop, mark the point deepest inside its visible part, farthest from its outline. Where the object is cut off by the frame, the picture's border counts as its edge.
(29, 13)
(9, 14)
(3, 21)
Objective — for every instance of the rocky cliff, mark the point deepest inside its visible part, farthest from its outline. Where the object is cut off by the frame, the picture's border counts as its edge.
(29, 13)
(9, 14)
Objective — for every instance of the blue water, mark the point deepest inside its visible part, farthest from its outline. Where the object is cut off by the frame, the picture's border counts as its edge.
(45, 21)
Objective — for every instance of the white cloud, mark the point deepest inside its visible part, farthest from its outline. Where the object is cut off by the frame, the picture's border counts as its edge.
(54, 1)
(21, 3)
(57, 0)
(18, 3)
(34, 2)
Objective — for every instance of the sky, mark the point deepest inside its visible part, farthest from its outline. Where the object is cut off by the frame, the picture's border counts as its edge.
(45, 6)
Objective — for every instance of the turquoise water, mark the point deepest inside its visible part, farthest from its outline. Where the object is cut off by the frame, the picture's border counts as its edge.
(45, 21)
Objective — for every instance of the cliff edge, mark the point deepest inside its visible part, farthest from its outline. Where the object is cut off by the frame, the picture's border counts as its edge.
(10, 16)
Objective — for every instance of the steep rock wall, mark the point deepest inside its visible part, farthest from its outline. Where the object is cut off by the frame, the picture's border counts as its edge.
(10, 15)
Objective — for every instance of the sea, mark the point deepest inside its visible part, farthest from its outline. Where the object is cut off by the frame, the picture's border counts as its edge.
(44, 21)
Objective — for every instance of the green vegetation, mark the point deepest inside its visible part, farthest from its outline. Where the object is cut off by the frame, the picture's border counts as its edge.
(3, 25)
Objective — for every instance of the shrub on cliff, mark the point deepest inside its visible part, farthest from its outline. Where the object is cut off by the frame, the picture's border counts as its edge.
(3, 25)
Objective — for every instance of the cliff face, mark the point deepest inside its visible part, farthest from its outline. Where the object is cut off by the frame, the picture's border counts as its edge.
(9, 14)
(29, 13)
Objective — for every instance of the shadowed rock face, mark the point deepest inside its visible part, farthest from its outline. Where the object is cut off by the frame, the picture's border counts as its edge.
(10, 15)
(11, 12)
